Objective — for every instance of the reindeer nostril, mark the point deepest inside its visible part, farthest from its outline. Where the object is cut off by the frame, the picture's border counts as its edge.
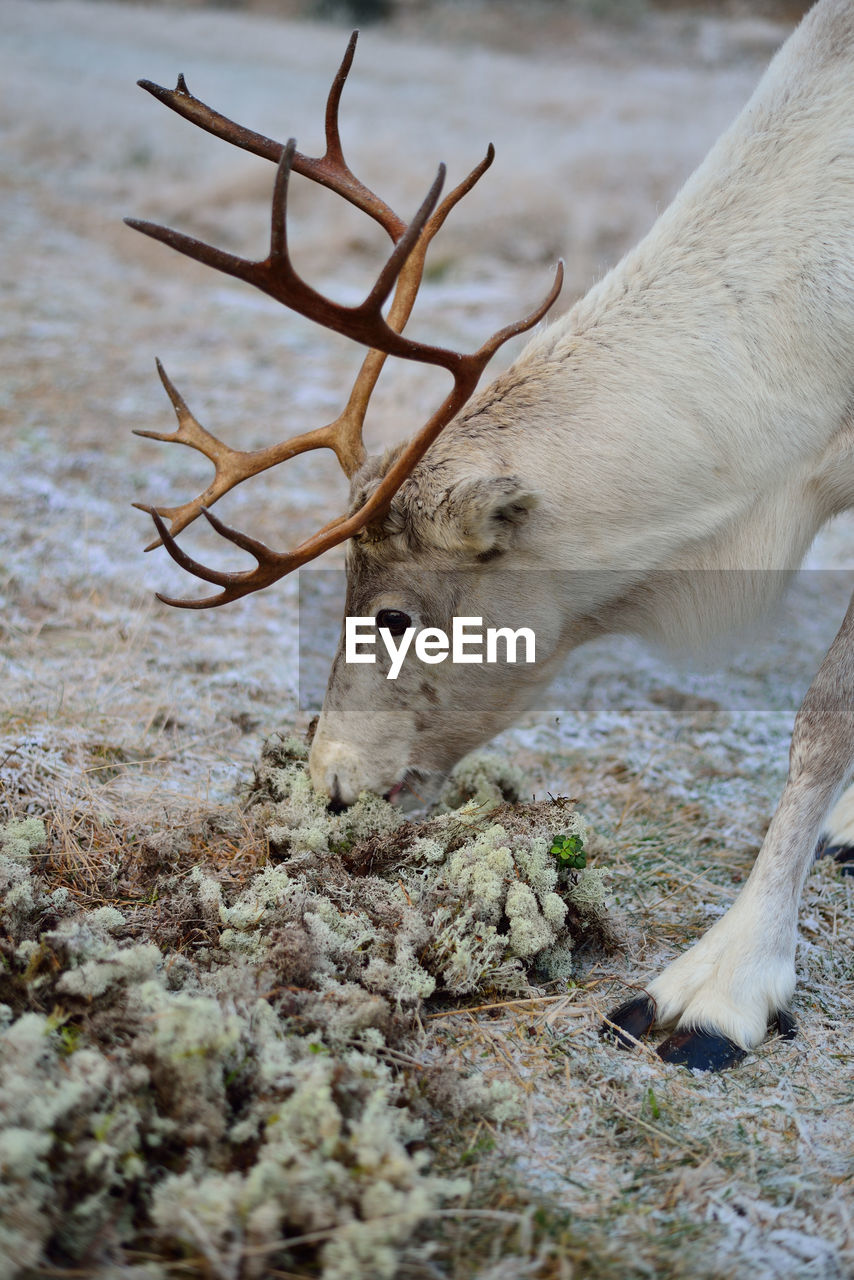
(336, 804)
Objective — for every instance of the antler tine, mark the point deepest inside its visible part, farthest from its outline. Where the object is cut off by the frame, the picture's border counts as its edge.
(270, 567)
(334, 150)
(189, 432)
(231, 465)
(485, 353)
(330, 170)
(230, 582)
(348, 426)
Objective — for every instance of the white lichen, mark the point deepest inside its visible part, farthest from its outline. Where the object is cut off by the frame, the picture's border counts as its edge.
(244, 1090)
(21, 837)
(485, 779)
(588, 893)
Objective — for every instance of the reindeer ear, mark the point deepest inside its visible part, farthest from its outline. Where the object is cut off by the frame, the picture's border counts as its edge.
(485, 513)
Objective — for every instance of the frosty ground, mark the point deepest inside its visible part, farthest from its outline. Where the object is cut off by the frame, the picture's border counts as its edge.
(112, 703)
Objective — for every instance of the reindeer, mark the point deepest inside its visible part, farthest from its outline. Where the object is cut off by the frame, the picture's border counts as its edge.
(644, 466)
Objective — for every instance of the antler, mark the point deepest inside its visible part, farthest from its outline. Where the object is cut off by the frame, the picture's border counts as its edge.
(364, 323)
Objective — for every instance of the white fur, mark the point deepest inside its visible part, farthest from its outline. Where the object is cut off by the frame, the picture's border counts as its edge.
(692, 416)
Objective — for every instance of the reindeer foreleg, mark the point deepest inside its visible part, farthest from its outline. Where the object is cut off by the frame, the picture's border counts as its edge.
(723, 992)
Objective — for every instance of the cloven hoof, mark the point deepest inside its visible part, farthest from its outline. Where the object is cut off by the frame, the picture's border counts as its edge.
(634, 1018)
(843, 854)
(694, 1048)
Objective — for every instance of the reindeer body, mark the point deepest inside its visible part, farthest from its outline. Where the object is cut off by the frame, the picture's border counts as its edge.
(645, 466)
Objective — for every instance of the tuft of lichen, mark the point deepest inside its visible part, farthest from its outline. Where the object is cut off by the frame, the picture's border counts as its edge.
(22, 900)
(485, 778)
(221, 1101)
(21, 837)
(467, 901)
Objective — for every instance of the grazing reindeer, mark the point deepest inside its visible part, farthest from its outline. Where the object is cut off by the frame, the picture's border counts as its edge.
(644, 466)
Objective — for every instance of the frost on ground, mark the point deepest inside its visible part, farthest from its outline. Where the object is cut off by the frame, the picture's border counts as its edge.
(125, 728)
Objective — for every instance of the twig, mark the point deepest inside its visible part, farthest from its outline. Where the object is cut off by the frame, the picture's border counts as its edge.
(505, 1004)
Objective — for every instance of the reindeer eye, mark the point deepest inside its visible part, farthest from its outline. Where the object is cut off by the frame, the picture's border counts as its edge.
(394, 620)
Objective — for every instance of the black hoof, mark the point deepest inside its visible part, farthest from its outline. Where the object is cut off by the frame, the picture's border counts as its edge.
(634, 1017)
(787, 1028)
(708, 1051)
(843, 854)
(700, 1050)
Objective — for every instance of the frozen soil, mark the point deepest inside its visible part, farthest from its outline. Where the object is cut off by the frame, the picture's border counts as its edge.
(117, 713)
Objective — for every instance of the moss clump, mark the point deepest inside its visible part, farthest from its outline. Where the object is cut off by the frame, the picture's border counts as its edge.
(465, 902)
(485, 778)
(216, 1102)
(23, 900)
(20, 838)
(299, 820)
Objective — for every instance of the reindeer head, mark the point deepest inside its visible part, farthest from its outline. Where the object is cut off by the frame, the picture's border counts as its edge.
(416, 550)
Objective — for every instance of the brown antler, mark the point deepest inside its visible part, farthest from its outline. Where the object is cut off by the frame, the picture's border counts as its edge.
(365, 323)
(344, 435)
(330, 170)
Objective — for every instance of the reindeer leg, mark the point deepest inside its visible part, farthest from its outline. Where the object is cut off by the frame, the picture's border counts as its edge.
(725, 990)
